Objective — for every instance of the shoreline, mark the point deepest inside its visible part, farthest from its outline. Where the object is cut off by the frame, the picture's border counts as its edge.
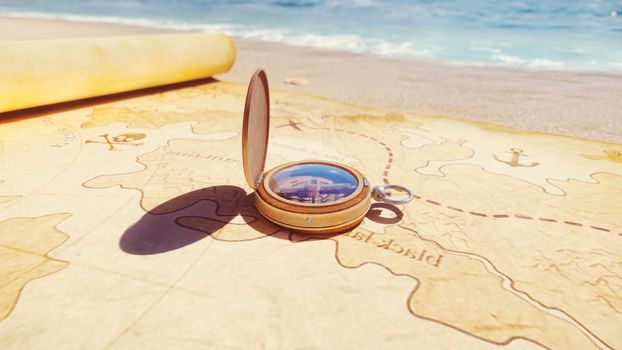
(134, 24)
(572, 103)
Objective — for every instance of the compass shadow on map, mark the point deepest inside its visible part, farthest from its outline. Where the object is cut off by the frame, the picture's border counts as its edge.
(188, 218)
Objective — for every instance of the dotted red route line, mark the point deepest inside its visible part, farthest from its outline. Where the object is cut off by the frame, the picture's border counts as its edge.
(385, 179)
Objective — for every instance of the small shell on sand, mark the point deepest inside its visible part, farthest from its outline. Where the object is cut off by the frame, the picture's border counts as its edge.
(296, 81)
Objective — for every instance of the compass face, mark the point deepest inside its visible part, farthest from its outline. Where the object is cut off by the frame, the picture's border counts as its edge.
(313, 183)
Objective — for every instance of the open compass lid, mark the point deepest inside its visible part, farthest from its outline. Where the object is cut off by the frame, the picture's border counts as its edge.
(256, 128)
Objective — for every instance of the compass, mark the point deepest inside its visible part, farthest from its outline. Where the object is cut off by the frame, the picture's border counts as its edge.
(310, 196)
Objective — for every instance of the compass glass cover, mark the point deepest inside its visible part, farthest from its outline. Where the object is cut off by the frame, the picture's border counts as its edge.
(313, 183)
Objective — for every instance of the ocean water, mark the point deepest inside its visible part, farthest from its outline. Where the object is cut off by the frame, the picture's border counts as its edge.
(533, 34)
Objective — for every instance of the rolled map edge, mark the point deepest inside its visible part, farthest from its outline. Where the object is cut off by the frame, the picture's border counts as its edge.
(37, 73)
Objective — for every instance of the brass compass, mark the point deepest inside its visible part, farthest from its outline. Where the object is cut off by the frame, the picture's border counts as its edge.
(309, 196)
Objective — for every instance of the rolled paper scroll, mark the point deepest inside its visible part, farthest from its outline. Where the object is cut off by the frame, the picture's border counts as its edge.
(35, 73)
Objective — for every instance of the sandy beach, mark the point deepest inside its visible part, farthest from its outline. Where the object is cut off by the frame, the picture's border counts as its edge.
(587, 105)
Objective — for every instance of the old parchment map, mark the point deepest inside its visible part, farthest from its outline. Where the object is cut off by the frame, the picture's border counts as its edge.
(128, 224)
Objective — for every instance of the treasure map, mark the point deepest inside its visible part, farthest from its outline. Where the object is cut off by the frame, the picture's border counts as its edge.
(129, 224)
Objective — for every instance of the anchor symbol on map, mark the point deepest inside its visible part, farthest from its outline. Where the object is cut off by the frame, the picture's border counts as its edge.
(515, 161)
(122, 140)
